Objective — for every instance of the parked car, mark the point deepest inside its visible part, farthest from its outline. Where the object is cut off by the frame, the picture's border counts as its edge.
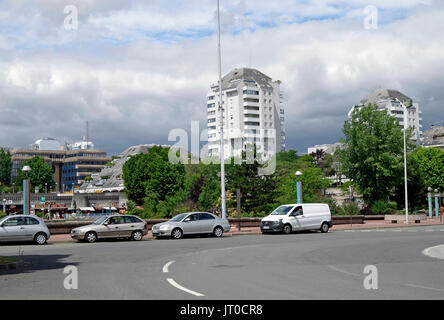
(115, 226)
(23, 228)
(296, 217)
(192, 223)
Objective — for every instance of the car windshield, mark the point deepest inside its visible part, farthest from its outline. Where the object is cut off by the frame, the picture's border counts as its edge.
(100, 220)
(282, 210)
(179, 217)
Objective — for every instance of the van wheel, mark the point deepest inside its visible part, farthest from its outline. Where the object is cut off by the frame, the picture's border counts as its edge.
(287, 229)
(324, 227)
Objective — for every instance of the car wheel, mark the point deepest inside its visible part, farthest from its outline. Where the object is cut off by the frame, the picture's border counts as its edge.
(324, 227)
(91, 237)
(40, 238)
(287, 229)
(218, 232)
(137, 235)
(177, 233)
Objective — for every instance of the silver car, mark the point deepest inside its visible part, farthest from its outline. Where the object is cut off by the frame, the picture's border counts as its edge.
(23, 228)
(116, 226)
(191, 223)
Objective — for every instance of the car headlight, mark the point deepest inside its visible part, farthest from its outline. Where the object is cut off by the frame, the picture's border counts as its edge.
(165, 227)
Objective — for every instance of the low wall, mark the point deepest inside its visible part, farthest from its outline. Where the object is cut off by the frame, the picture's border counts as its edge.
(65, 227)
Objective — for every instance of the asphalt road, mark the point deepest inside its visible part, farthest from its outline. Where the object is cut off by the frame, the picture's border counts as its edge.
(297, 266)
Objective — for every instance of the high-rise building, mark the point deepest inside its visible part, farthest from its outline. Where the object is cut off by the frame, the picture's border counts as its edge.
(253, 114)
(391, 100)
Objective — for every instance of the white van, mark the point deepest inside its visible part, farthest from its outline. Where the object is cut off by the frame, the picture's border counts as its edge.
(296, 217)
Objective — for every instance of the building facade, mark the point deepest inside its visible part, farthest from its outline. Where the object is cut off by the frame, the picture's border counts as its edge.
(434, 137)
(327, 148)
(70, 167)
(253, 114)
(393, 101)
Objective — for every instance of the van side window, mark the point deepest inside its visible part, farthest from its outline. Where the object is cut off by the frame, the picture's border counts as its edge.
(298, 211)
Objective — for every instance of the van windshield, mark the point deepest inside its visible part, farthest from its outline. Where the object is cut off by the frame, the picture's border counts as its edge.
(282, 211)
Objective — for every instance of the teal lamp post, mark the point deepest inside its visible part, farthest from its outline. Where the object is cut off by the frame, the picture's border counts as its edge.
(299, 187)
(26, 191)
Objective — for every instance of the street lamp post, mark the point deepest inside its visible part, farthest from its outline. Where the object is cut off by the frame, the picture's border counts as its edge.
(4, 205)
(429, 194)
(26, 191)
(222, 156)
(299, 187)
(46, 188)
(436, 203)
(405, 161)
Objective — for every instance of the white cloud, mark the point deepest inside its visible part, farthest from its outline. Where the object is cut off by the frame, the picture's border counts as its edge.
(134, 90)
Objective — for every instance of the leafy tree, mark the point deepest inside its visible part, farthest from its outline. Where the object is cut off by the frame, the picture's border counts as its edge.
(289, 156)
(5, 168)
(431, 164)
(373, 156)
(40, 174)
(313, 181)
(417, 188)
(152, 174)
(258, 192)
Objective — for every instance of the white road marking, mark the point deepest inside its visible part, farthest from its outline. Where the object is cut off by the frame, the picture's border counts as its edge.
(422, 287)
(166, 266)
(178, 286)
(436, 252)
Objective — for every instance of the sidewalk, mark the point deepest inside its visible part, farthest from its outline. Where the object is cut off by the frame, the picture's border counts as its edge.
(57, 238)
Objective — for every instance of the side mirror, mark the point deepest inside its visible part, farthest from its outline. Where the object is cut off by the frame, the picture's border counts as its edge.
(106, 223)
(187, 220)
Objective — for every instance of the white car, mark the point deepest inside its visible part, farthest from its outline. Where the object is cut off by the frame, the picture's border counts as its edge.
(297, 217)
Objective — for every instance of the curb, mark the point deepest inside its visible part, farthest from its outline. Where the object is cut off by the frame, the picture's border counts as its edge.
(11, 265)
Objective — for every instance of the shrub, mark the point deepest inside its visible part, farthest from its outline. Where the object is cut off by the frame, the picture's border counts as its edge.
(383, 207)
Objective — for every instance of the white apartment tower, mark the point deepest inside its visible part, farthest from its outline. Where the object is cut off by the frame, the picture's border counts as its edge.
(253, 114)
(391, 100)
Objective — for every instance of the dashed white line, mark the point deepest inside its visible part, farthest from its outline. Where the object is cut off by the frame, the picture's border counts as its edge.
(166, 266)
(178, 286)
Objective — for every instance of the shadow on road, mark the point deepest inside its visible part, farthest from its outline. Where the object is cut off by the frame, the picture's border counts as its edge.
(33, 263)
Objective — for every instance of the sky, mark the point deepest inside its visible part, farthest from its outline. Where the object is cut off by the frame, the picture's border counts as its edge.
(138, 69)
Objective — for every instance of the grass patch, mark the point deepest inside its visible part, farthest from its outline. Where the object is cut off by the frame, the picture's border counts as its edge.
(4, 260)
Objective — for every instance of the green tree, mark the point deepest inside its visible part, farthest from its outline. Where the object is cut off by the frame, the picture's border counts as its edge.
(431, 164)
(5, 168)
(39, 176)
(258, 191)
(152, 174)
(313, 181)
(373, 153)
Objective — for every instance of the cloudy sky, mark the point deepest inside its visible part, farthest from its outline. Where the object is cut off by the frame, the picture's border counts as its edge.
(138, 69)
